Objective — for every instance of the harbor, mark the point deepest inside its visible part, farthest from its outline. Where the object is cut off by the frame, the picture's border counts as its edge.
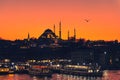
(49, 56)
(48, 68)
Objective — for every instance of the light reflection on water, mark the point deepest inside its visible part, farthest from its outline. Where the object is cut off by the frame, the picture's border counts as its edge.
(108, 75)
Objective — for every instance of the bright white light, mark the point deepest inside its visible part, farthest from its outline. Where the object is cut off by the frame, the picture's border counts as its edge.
(105, 52)
(58, 65)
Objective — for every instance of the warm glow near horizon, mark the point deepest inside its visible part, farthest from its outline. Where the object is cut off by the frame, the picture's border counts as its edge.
(18, 17)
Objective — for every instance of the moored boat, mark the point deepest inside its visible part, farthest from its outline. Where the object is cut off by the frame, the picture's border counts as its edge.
(40, 70)
(81, 70)
(4, 69)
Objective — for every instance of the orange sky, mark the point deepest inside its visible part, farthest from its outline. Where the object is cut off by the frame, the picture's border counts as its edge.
(18, 17)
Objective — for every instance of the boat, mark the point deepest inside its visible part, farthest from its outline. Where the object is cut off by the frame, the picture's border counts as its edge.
(21, 69)
(4, 69)
(81, 70)
(40, 70)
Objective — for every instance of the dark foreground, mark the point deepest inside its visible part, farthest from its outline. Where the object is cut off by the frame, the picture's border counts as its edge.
(108, 75)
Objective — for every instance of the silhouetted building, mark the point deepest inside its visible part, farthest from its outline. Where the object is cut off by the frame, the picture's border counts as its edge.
(48, 34)
(48, 37)
(82, 56)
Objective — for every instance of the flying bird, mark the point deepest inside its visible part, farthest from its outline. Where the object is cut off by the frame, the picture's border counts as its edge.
(86, 20)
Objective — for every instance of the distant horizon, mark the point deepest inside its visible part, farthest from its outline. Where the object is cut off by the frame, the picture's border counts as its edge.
(58, 36)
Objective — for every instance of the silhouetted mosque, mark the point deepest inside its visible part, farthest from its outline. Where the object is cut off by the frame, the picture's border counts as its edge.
(48, 34)
(48, 37)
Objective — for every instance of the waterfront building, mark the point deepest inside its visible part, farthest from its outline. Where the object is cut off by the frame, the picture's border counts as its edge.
(82, 56)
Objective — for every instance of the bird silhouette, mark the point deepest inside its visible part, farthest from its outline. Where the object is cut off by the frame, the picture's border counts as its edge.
(87, 20)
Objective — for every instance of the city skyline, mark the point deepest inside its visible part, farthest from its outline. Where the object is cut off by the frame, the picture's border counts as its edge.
(92, 19)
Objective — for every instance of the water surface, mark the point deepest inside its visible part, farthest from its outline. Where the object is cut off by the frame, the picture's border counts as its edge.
(108, 75)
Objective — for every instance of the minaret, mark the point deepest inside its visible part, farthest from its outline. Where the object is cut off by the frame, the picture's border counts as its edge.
(68, 34)
(54, 28)
(28, 37)
(74, 33)
(60, 30)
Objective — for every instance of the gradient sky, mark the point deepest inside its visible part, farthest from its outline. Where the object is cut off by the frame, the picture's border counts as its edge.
(18, 17)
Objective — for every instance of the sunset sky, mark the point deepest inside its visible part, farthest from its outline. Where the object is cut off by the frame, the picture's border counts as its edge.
(18, 17)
